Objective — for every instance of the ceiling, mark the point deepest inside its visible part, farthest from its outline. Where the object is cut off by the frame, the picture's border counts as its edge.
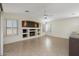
(54, 10)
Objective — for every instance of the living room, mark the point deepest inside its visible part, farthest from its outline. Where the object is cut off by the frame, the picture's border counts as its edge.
(39, 29)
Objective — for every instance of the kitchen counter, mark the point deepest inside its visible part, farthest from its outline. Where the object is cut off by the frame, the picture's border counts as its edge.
(74, 35)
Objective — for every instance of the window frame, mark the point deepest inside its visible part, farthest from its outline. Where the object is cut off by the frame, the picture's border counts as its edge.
(12, 27)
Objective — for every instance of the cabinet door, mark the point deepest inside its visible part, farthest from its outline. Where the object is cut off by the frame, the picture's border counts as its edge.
(74, 47)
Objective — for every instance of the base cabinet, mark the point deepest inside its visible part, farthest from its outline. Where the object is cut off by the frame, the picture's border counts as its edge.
(73, 47)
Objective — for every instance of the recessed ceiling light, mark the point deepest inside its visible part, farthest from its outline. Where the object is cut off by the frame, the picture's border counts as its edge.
(27, 11)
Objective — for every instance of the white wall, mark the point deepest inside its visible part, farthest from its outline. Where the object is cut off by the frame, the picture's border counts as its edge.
(1, 34)
(59, 28)
(64, 27)
(19, 17)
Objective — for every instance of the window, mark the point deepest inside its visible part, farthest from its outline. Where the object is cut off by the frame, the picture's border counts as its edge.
(12, 27)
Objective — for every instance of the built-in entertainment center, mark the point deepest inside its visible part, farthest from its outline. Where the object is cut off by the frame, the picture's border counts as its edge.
(30, 29)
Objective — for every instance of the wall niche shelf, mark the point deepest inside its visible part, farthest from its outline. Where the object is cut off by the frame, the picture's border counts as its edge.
(30, 29)
(30, 24)
(25, 30)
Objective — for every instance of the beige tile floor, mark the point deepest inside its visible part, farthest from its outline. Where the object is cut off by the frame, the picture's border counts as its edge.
(43, 46)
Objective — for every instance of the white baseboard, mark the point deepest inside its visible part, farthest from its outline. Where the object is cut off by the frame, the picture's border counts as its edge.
(52, 35)
(21, 39)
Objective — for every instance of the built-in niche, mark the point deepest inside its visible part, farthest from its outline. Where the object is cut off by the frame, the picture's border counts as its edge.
(30, 28)
(38, 31)
(30, 24)
(32, 33)
(25, 30)
(24, 35)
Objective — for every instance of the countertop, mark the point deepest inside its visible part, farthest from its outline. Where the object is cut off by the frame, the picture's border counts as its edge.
(74, 35)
